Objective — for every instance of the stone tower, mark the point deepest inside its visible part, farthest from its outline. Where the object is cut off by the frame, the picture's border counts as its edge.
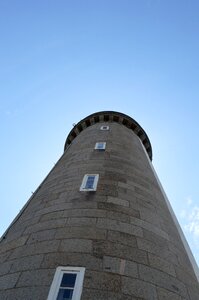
(99, 227)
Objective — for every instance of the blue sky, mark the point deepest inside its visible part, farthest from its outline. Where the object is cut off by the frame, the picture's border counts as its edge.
(62, 60)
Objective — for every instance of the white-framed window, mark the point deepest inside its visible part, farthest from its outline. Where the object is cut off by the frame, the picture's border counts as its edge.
(67, 283)
(89, 182)
(100, 146)
(104, 127)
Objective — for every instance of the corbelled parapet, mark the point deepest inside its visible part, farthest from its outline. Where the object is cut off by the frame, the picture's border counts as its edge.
(111, 116)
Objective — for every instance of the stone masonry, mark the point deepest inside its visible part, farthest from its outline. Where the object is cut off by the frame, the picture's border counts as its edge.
(123, 234)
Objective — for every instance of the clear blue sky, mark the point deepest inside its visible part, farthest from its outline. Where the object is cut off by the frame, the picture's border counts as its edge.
(62, 60)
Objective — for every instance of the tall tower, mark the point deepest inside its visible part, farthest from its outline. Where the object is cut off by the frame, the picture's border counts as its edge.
(99, 227)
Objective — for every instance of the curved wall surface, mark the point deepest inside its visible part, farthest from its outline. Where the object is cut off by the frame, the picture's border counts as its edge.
(122, 233)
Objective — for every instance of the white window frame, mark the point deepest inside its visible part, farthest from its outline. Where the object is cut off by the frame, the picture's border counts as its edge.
(97, 146)
(55, 286)
(104, 127)
(84, 181)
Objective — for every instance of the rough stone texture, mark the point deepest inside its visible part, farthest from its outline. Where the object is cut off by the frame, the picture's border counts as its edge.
(85, 232)
(25, 293)
(123, 238)
(161, 264)
(26, 263)
(120, 266)
(103, 281)
(122, 234)
(138, 288)
(167, 295)
(90, 262)
(163, 280)
(8, 281)
(92, 294)
(76, 245)
(35, 278)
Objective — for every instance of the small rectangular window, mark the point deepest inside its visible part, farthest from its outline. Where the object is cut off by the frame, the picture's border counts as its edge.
(100, 146)
(104, 127)
(67, 284)
(89, 182)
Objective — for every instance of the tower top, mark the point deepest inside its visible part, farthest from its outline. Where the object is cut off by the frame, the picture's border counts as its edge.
(111, 116)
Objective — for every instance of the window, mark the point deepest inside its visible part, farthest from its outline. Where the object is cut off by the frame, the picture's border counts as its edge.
(89, 182)
(67, 284)
(100, 145)
(104, 127)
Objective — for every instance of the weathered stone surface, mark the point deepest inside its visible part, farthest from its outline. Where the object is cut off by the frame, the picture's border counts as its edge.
(161, 264)
(118, 201)
(149, 227)
(5, 267)
(156, 249)
(51, 224)
(130, 269)
(90, 294)
(110, 206)
(181, 255)
(25, 221)
(102, 281)
(122, 238)
(8, 281)
(120, 266)
(185, 276)
(193, 292)
(111, 264)
(162, 280)
(5, 246)
(101, 248)
(35, 278)
(41, 236)
(108, 190)
(119, 216)
(82, 221)
(4, 256)
(85, 232)
(96, 213)
(76, 245)
(167, 295)
(25, 293)
(52, 215)
(53, 260)
(155, 238)
(119, 226)
(36, 248)
(150, 216)
(27, 263)
(138, 288)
